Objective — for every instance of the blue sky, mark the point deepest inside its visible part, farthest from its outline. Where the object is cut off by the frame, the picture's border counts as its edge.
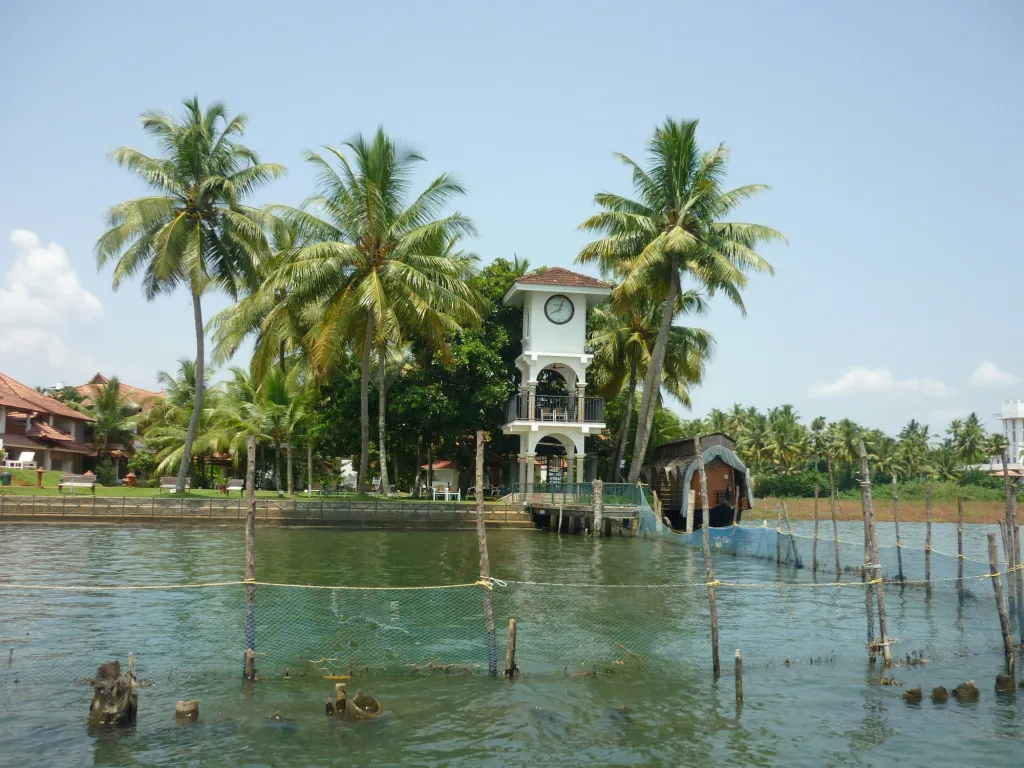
(889, 133)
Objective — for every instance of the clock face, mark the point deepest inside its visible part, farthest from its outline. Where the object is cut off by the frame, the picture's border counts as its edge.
(559, 309)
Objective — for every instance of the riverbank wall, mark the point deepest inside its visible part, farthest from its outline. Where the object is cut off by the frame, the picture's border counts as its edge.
(93, 510)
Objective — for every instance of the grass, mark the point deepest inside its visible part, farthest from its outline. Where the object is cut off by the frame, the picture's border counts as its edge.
(23, 483)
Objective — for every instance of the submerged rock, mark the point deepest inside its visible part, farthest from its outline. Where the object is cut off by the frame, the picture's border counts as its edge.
(967, 691)
(912, 696)
(940, 695)
(1004, 684)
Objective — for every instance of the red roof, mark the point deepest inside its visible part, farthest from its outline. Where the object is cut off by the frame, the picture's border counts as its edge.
(64, 442)
(14, 394)
(443, 464)
(563, 277)
(144, 398)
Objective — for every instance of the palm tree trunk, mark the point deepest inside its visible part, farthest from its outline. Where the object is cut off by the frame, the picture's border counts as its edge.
(615, 475)
(430, 465)
(652, 382)
(382, 403)
(309, 463)
(291, 480)
(364, 407)
(419, 467)
(197, 405)
(277, 469)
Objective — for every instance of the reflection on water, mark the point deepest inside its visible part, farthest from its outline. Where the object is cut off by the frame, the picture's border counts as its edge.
(824, 707)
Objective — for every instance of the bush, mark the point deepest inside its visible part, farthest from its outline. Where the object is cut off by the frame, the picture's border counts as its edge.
(106, 473)
(142, 464)
(797, 485)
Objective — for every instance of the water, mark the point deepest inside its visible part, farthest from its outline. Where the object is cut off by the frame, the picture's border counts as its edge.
(666, 711)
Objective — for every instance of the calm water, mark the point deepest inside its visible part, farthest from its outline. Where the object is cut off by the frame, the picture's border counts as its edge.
(666, 711)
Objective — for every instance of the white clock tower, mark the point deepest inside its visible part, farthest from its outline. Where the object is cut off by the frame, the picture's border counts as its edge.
(551, 412)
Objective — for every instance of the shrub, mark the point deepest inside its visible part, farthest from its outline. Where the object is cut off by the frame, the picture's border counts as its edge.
(106, 473)
(142, 464)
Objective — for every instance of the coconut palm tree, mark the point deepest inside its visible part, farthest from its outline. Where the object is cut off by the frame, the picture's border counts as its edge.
(817, 441)
(622, 344)
(788, 439)
(674, 229)
(716, 421)
(844, 438)
(194, 230)
(969, 440)
(996, 445)
(165, 425)
(753, 441)
(115, 414)
(888, 460)
(371, 265)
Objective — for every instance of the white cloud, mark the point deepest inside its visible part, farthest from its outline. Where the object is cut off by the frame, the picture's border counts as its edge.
(41, 297)
(987, 374)
(879, 381)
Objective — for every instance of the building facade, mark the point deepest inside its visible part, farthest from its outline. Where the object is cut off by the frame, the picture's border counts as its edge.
(1012, 419)
(551, 412)
(36, 426)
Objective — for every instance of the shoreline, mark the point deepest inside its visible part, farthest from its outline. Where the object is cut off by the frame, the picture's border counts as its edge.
(911, 510)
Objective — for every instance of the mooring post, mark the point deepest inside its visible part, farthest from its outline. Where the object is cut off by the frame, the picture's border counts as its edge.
(792, 539)
(250, 561)
(598, 486)
(510, 651)
(1013, 554)
(739, 678)
(778, 532)
(814, 543)
(960, 548)
(559, 520)
(896, 519)
(485, 560)
(832, 507)
(709, 571)
(928, 541)
(869, 513)
(1004, 620)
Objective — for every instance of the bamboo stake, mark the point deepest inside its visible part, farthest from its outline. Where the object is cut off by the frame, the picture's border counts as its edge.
(960, 547)
(896, 519)
(792, 539)
(510, 651)
(832, 505)
(485, 560)
(865, 577)
(739, 678)
(1013, 538)
(250, 561)
(1004, 621)
(814, 543)
(928, 541)
(709, 572)
(869, 513)
(559, 519)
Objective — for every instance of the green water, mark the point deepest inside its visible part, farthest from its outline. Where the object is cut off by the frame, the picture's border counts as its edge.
(823, 708)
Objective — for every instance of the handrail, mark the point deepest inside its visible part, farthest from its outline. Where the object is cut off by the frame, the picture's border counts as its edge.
(555, 408)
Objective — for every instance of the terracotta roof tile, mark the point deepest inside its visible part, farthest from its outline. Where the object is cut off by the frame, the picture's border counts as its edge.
(443, 464)
(40, 429)
(144, 398)
(564, 277)
(14, 394)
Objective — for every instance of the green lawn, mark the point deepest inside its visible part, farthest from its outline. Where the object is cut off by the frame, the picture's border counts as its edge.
(23, 483)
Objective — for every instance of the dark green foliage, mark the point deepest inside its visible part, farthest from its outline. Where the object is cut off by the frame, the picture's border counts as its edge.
(106, 473)
(142, 463)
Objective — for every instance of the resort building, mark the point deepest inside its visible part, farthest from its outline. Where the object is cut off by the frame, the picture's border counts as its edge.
(38, 431)
(551, 413)
(1012, 418)
(143, 398)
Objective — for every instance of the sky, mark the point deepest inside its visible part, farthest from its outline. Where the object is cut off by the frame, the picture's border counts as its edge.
(889, 134)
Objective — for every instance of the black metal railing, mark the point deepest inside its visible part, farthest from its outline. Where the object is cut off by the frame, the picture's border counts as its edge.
(555, 408)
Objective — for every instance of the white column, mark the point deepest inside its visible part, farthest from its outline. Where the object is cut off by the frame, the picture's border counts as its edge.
(529, 471)
(579, 467)
(531, 399)
(46, 459)
(581, 395)
(3, 419)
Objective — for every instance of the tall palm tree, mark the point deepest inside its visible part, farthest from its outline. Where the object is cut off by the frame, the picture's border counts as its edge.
(165, 425)
(817, 441)
(675, 229)
(969, 441)
(194, 230)
(372, 264)
(996, 445)
(788, 439)
(845, 436)
(717, 420)
(753, 441)
(623, 343)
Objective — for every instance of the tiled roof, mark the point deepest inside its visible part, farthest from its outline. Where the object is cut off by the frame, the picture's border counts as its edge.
(19, 441)
(144, 398)
(563, 277)
(443, 464)
(64, 442)
(14, 394)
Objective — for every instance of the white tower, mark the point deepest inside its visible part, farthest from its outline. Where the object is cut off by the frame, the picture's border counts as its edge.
(1013, 427)
(551, 409)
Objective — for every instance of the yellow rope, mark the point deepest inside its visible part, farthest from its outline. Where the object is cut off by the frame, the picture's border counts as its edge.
(714, 583)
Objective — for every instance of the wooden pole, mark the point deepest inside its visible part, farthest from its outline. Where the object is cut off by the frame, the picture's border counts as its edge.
(792, 539)
(778, 533)
(598, 507)
(485, 560)
(1013, 557)
(832, 505)
(1004, 620)
(739, 678)
(250, 560)
(814, 543)
(709, 571)
(928, 541)
(559, 520)
(735, 499)
(896, 519)
(865, 577)
(510, 651)
(960, 547)
(865, 495)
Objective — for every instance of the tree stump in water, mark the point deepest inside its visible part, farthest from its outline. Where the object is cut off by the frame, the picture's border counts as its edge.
(115, 698)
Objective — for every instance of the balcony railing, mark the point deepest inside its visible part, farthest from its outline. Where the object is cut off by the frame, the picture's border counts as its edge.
(555, 408)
